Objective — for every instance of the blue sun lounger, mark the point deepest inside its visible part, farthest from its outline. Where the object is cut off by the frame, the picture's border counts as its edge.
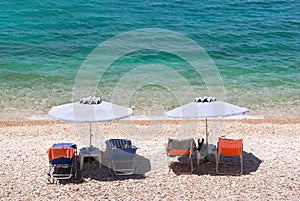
(62, 161)
(122, 154)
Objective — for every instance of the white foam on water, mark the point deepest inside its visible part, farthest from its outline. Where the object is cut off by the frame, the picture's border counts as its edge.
(246, 117)
(39, 117)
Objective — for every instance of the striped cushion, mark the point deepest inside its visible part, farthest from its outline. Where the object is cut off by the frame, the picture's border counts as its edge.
(65, 144)
(118, 143)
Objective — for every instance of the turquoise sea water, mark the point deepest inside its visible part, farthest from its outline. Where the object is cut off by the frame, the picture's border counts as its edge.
(255, 45)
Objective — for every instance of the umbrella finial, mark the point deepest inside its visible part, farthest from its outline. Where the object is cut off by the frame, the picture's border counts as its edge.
(205, 99)
(198, 100)
(91, 100)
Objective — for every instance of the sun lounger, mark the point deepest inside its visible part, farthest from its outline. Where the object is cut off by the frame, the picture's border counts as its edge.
(122, 154)
(62, 161)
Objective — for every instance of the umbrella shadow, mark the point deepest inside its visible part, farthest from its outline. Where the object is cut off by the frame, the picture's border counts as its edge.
(92, 171)
(230, 165)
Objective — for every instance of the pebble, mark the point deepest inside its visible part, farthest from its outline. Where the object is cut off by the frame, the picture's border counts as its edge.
(268, 173)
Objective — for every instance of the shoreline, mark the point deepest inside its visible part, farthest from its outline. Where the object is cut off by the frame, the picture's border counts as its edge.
(288, 112)
(27, 122)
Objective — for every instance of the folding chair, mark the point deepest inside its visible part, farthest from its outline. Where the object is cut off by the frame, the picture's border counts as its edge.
(230, 148)
(62, 161)
(122, 154)
(180, 149)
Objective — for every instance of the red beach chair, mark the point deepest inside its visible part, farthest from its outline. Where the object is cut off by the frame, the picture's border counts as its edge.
(230, 148)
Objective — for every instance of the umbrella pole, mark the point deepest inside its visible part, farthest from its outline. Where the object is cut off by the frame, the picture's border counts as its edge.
(206, 157)
(206, 133)
(90, 134)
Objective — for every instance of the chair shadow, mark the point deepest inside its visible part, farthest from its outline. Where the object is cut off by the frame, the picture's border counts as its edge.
(182, 165)
(228, 164)
(92, 171)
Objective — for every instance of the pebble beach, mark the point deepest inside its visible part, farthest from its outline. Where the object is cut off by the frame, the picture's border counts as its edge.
(271, 162)
(151, 56)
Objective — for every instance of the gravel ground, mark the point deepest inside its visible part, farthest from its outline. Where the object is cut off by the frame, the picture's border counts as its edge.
(271, 161)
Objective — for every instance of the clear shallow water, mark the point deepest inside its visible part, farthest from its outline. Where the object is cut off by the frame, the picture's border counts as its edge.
(254, 45)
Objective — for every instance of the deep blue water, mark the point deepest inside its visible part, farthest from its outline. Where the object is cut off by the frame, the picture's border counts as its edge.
(255, 45)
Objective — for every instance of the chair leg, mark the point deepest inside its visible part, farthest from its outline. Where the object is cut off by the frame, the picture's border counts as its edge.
(191, 159)
(50, 174)
(241, 162)
(192, 168)
(217, 156)
(169, 165)
(75, 171)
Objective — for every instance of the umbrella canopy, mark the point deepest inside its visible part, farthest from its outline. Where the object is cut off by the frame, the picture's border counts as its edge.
(89, 110)
(206, 108)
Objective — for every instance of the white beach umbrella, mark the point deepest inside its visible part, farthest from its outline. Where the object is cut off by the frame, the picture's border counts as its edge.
(89, 110)
(206, 108)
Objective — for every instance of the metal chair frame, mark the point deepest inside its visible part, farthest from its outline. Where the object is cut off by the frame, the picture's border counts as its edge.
(60, 164)
(179, 148)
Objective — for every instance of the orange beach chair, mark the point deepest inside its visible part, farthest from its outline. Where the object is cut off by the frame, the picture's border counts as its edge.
(230, 148)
